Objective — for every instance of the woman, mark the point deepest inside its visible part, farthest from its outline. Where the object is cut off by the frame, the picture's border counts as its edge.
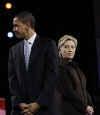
(72, 95)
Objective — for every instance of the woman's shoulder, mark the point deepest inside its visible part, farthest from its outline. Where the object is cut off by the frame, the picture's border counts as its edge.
(66, 63)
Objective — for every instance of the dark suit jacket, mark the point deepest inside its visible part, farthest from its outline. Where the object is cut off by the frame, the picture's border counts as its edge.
(72, 96)
(36, 85)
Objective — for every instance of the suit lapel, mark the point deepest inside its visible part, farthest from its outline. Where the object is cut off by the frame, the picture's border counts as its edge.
(34, 50)
(22, 55)
(33, 53)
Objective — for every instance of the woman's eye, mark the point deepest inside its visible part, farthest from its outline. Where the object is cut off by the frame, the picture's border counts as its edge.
(73, 47)
(66, 46)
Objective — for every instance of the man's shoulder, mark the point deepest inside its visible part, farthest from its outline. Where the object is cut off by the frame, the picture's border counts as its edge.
(16, 45)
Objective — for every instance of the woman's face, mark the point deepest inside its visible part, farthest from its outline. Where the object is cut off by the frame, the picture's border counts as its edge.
(68, 49)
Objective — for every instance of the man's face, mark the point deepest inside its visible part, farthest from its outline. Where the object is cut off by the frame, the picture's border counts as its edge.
(68, 49)
(19, 28)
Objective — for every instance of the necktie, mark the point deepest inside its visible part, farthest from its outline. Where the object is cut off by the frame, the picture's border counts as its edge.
(26, 54)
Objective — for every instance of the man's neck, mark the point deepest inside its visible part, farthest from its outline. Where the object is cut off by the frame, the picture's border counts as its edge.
(29, 34)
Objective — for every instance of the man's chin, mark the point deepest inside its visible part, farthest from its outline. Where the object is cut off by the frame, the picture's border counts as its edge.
(19, 37)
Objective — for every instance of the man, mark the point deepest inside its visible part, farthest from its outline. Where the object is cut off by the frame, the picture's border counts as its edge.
(32, 69)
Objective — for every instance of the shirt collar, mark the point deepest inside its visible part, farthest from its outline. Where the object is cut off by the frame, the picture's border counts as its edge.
(31, 39)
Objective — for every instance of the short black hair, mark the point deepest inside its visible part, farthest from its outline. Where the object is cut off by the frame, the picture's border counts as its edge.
(26, 16)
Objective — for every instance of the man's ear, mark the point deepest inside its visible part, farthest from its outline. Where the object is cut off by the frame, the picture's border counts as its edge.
(28, 24)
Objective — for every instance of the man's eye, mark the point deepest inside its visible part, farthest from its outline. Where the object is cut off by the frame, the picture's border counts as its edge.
(15, 25)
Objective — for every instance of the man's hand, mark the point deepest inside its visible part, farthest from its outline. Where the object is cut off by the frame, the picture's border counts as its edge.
(33, 107)
(27, 112)
(29, 109)
(23, 106)
(89, 110)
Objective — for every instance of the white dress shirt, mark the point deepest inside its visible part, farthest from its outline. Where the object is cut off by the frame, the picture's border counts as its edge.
(31, 41)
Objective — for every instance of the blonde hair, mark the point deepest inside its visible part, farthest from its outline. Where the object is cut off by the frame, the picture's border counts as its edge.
(65, 38)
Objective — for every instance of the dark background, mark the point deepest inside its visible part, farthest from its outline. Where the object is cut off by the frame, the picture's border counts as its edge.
(77, 18)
